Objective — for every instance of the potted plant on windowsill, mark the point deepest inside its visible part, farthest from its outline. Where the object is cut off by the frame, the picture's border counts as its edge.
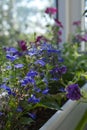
(32, 76)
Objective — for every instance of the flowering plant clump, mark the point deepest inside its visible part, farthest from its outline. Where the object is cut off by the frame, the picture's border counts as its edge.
(32, 77)
(28, 74)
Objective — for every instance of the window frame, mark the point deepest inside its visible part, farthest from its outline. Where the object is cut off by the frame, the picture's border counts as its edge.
(69, 11)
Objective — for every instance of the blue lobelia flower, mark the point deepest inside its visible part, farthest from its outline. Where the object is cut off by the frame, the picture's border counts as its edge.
(40, 62)
(60, 59)
(54, 79)
(53, 51)
(32, 73)
(45, 91)
(8, 67)
(11, 57)
(17, 66)
(59, 70)
(27, 80)
(32, 115)
(62, 89)
(6, 88)
(11, 50)
(38, 90)
(5, 79)
(19, 109)
(1, 113)
(45, 80)
(33, 99)
(33, 51)
(24, 82)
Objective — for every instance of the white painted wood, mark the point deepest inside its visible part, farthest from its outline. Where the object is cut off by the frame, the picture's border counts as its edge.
(68, 118)
(69, 11)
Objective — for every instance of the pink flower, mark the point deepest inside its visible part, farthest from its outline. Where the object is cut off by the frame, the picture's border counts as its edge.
(59, 40)
(22, 45)
(51, 10)
(59, 32)
(77, 23)
(58, 23)
(82, 38)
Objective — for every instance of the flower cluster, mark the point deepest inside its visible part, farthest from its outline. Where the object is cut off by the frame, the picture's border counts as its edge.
(28, 75)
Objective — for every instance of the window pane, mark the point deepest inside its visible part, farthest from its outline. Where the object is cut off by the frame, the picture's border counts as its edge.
(29, 14)
(23, 15)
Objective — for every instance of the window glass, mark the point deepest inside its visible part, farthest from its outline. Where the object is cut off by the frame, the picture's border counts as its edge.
(29, 13)
(25, 16)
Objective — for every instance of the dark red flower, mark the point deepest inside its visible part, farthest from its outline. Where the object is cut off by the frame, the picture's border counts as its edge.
(59, 32)
(81, 38)
(58, 23)
(40, 38)
(22, 45)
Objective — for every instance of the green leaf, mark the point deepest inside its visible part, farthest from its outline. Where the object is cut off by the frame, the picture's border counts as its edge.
(51, 101)
(26, 121)
(84, 12)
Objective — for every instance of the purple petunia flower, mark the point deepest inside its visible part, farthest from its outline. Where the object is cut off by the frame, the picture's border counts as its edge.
(63, 69)
(73, 92)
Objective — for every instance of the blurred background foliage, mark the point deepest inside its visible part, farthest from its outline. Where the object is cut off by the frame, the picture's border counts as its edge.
(22, 19)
